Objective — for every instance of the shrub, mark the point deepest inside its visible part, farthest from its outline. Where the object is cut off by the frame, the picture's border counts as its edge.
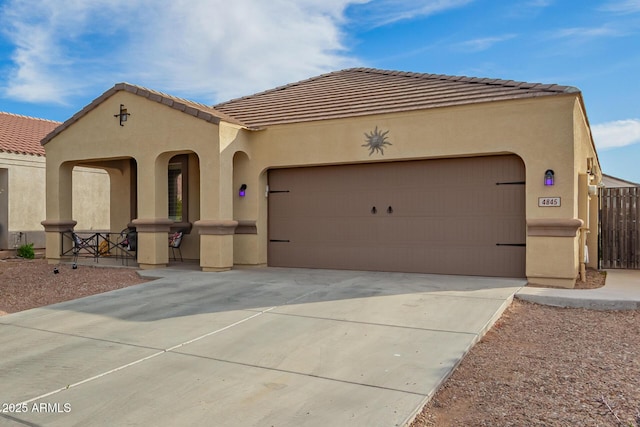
(26, 251)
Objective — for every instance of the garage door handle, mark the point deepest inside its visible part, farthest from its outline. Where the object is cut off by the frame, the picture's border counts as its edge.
(374, 210)
(511, 244)
(389, 210)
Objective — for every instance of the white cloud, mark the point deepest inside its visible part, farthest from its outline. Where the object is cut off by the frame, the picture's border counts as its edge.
(54, 56)
(378, 13)
(618, 133)
(209, 49)
(244, 46)
(484, 43)
(48, 40)
(623, 6)
(587, 33)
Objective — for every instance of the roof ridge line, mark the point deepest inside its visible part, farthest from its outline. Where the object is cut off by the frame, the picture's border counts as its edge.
(165, 94)
(477, 80)
(210, 113)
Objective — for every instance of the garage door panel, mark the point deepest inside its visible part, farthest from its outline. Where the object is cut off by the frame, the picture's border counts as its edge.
(437, 229)
(471, 202)
(450, 216)
(316, 230)
(437, 259)
(316, 204)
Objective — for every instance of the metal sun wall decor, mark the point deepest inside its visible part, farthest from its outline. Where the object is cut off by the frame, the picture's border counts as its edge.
(376, 140)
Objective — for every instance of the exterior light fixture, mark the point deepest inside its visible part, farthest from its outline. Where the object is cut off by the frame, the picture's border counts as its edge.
(243, 190)
(548, 177)
(123, 115)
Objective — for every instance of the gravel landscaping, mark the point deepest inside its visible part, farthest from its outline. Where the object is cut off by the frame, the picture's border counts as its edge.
(26, 284)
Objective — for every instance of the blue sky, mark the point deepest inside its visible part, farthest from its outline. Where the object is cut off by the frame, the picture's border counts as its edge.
(56, 56)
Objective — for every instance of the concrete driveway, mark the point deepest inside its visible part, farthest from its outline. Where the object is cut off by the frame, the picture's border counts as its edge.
(254, 347)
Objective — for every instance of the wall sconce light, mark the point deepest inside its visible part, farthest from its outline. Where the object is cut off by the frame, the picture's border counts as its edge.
(123, 115)
(548, 177)
(243, 190)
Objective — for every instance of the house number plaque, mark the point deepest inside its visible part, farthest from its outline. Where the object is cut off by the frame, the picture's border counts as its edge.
(546, 202)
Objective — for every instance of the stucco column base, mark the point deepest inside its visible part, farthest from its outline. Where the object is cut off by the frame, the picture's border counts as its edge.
(216, 244)
(153, 243)
(55, 243)
(151, 266)
(553, 251)
(214, 269)
(246, 249)
(553, 282)
(552, 264)
(246, 244)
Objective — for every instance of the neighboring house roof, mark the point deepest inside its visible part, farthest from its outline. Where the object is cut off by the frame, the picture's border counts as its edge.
(22, 134)
(365, 91)
(192, 108)
(613, 182)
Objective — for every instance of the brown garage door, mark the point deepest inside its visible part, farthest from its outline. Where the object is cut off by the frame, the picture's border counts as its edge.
(448, 216)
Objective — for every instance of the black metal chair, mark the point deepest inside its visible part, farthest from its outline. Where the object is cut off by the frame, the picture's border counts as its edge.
(127, 244)
(87, 244)
(175, 240)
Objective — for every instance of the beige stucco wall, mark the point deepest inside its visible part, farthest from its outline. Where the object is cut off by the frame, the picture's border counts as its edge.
(26, 194)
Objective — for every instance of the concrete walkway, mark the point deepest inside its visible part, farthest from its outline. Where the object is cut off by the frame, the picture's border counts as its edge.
(621, 292)
(256, 347)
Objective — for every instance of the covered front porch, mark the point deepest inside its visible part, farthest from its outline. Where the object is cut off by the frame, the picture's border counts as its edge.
(168, 172)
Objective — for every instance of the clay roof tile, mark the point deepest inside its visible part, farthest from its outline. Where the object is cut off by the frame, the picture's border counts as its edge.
(361, 91)
(22, 134)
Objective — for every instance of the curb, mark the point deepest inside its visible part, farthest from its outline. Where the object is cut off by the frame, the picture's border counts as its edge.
(577, 302)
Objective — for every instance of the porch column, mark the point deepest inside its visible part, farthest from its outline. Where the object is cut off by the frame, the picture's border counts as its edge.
(216, 225)
(59, 210)
(216, 244)
(152, 242)
(152, 224)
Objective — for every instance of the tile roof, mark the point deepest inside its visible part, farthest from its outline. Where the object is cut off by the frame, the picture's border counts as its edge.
(192, 108)
(22, 134)
(364, 91)
(613, 182)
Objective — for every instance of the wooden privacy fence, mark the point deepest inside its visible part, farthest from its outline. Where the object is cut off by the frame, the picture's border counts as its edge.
(620, 227)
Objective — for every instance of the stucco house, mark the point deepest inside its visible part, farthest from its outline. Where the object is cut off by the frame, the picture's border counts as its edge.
(357, 169)
(23, 179)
